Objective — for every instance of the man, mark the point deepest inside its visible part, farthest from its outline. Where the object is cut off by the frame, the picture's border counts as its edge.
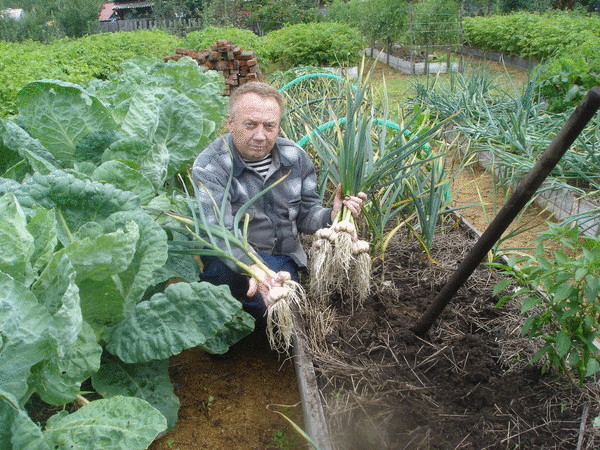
(258, 157)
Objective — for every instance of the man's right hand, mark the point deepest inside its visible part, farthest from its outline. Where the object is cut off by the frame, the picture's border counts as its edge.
(268, 279)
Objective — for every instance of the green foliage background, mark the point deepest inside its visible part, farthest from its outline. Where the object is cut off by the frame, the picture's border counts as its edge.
(567, 43)
(74, 60)
(202, 39)
(317, 44)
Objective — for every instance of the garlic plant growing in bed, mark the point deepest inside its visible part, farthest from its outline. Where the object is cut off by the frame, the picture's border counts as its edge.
(217, 240)
(338, 259)
(357, 156)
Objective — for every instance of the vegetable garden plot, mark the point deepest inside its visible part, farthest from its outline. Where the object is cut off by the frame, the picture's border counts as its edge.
(469, 385)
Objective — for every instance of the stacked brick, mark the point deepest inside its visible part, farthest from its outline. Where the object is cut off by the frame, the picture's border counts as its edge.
(236, 65)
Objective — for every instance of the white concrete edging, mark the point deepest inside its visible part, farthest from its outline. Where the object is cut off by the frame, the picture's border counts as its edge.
(413, 68)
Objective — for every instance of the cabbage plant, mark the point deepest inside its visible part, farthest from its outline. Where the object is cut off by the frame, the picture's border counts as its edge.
(84, 315)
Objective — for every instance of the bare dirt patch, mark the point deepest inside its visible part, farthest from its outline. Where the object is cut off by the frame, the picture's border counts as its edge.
(229, 403)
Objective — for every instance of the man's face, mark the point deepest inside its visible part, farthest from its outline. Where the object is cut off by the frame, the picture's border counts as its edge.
(254, 125)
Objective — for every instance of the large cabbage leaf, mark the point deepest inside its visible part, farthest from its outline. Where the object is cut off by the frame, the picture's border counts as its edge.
(167, 118)
(16, 145)
(151, 252)
(60, 115)
(152, 160)
(42, 226)
(76, 201)
(106, 424)
(16, 243)
(17, 430)
(115, 423)
(149, 381)
(25, 339)
(186, 315)
(57, 379)
(125, 178)
(57, 291)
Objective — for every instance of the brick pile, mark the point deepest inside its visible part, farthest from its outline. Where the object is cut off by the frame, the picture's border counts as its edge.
(236, 65)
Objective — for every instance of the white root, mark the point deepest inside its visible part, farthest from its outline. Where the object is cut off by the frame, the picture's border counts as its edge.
(361, 279)
(320, 256)
(280, 325)
(342, 257)
(340, 262)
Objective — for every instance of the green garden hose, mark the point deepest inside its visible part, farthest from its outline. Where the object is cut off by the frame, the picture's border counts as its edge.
(312, 75)
(387, 123)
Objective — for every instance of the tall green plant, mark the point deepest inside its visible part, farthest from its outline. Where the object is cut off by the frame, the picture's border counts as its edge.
(383, 21)
(565, 316)
(77, 18)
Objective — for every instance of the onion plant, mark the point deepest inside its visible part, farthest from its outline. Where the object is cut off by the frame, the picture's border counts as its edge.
(516, 128)
(215, 239)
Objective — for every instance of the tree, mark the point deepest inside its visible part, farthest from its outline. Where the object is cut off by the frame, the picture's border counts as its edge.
(77, 18)
(385, 21)
(271, 15)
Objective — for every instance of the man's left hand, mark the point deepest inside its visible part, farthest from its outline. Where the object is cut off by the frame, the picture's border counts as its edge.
(349, 201)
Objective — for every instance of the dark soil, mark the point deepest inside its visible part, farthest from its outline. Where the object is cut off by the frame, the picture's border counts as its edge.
(466, 385)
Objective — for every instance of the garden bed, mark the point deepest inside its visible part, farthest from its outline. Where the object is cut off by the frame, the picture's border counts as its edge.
(559, 201)
(467, 385)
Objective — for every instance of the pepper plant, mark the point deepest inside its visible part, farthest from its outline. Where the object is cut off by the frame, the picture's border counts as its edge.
(559, 294)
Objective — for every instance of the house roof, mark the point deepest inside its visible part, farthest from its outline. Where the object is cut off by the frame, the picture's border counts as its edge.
(130, 5)
(106, 11)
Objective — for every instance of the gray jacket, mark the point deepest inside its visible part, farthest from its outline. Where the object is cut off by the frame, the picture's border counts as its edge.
(278, 216)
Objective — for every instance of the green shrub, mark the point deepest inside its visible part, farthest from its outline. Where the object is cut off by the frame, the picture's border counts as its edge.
(77, 18)
(571, 59)
(378, 20)
(566, 317)
(534, 36)
(565, 79)
(245, 39)
(315, 44)
(77, 61)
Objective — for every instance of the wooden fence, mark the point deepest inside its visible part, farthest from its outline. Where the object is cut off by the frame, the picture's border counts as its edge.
(149, 24)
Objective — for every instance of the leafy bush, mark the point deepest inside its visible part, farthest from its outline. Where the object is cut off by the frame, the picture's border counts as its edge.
(315, 44)
(565, 79)
(245, 39)
(77, 18)
(77, 61)
(572, 59)
(534, 36)
(566, 317)
(378, 20)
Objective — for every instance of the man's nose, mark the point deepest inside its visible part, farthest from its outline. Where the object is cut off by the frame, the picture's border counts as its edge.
(260, 133)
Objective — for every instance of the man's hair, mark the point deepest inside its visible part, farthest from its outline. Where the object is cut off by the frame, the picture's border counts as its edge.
(263, 90)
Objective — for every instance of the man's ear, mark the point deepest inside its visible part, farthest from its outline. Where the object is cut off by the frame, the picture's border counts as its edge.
(228, 122)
